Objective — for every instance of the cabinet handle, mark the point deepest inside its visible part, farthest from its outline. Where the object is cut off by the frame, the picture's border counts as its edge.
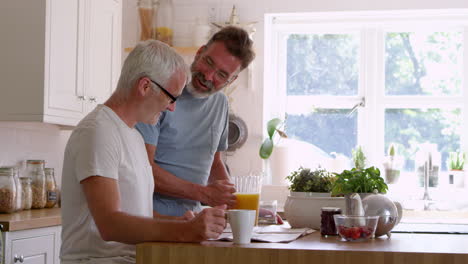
(18, 259)
(92, 99)
(81, 97)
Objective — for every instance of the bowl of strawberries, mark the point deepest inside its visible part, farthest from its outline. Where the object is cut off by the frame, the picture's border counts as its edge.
(356, 227)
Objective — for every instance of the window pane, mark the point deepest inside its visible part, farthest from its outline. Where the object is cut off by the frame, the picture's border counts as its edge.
(322, 64)
(410, 127)
(421, 63)
(332, 130)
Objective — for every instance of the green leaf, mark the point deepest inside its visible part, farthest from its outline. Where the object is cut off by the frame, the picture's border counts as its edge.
(272, 125)
(266, 148)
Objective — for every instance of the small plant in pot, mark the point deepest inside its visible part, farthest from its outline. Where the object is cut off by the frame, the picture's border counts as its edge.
(307, 182)
(456, 163)
(303, 205)
(363, 181)
(392, 164)
(359, 158)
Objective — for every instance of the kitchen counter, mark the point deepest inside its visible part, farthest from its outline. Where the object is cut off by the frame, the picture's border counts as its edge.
(29, 219)
(399, 249)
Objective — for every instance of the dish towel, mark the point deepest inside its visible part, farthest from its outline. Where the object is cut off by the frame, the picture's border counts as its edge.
(271, 233)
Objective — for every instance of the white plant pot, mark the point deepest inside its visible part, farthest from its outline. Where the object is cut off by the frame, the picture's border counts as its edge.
(305, 211)
(458, 178)
(310, 194)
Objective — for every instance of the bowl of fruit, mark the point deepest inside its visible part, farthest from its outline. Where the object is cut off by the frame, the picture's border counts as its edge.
(355, 227)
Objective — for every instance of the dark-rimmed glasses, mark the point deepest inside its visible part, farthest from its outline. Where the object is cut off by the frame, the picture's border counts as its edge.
(173, 98)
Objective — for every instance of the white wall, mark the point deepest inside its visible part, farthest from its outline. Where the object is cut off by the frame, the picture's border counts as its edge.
(22, 141)
(248, 100)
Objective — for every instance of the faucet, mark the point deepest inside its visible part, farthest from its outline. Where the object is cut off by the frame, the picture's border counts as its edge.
(428, 170)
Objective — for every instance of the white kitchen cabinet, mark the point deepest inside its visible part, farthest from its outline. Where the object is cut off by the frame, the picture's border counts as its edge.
(59, 58)
(33, 246)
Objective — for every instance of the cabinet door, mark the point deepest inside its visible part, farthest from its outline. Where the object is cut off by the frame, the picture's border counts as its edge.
(64, 43)
(102, 58)
(35, 250)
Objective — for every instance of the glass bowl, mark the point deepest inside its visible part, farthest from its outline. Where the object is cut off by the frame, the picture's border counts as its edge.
(356, 228)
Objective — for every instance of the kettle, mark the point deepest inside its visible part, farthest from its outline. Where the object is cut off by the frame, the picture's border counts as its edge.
(390, 212)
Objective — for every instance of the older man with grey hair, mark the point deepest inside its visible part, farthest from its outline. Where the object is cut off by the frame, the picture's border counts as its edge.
(107, 180)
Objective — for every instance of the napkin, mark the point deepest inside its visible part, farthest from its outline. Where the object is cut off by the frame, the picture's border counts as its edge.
(271, 233)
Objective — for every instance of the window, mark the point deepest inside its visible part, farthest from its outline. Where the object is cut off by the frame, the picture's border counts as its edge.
(374, 79)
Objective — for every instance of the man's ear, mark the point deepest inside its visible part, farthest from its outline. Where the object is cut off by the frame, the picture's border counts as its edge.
(143, 86)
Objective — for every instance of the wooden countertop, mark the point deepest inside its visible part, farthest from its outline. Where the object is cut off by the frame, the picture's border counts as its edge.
(29, 219)
(399, 249)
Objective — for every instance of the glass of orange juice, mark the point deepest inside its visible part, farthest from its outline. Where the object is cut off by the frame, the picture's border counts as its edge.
(248, 189)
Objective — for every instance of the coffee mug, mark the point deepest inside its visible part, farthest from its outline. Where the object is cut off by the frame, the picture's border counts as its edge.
(242, 223)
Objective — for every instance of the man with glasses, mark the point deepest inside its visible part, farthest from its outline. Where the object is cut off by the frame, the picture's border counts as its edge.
(184, 148)
(107, 181)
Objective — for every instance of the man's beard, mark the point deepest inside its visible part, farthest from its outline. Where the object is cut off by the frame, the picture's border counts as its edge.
(199, 93)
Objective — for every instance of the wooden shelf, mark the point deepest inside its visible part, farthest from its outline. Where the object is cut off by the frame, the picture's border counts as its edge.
(180, 50)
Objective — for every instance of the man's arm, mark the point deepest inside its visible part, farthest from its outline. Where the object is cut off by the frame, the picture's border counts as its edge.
(217, 192)
(218, 169)
(103, 200)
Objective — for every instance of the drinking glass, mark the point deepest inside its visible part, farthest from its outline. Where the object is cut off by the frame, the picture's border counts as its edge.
(248, 189)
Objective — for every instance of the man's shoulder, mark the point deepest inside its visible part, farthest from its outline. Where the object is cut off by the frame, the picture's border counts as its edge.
(219, 99)
(97, 123)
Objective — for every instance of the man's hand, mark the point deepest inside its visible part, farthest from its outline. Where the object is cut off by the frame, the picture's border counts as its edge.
(219, 192)
(189, 215)
(207, 224)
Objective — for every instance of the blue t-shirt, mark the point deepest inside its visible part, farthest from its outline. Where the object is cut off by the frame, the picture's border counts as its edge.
(186, 142)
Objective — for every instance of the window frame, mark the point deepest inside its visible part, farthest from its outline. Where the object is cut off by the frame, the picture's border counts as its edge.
(372, 26)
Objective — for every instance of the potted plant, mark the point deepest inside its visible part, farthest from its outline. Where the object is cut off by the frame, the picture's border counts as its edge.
(362, 181)
(359, 158)
(307, 182)
(310, 191)
(359, 181)
(392, 165)
(456, 163)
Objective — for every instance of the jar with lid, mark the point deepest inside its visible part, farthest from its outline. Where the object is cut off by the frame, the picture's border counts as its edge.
(51, 188)
(19, 204)
(35, 171)
(147, 10)
(165, 22)
(328, 227)
(7, 190)
(26, 193)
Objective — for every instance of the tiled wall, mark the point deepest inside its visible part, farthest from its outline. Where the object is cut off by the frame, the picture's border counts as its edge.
(22, 141)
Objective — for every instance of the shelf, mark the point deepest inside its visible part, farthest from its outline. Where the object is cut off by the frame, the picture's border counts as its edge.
(180, 50)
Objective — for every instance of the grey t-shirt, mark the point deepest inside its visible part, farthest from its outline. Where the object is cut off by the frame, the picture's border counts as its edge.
(186, 142)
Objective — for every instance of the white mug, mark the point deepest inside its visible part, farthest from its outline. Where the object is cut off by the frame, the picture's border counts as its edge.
(242, 223)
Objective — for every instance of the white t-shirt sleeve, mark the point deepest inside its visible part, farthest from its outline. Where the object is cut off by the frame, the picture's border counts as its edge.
(98, 153)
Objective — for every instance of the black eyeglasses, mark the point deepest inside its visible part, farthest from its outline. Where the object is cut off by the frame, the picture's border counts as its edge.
(173, 98)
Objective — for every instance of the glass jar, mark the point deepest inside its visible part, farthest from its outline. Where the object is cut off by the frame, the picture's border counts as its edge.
(165, 22)
(35, 171)
(26, 193)
(147, 10)
(51, 188)
(19, 204)
(7, 190)
(327, 224)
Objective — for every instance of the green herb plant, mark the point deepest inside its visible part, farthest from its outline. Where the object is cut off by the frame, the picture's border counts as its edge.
(359, 159)
(456, 160)
(273, 128)
(358, 181)
(307, 180)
